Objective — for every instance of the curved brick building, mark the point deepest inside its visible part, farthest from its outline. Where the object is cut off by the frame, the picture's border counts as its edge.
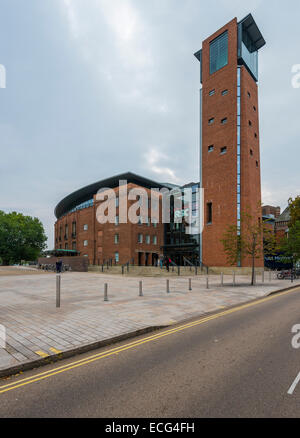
(78, 229)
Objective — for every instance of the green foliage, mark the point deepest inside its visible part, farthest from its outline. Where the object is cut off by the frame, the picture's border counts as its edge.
(250, 239)
(290, 245)
(294, 206)
(21, 237)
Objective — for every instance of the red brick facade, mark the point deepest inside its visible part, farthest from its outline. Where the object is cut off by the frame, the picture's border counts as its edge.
(219, 169)
(104, 242)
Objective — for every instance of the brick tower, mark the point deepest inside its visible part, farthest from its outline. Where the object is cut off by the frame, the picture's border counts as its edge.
(229, 120)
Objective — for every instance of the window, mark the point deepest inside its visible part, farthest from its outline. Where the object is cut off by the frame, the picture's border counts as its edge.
(117, 221)
(85, 243)
(255, 135)
(140, 238)
(66, 246)
(251, 152)
(209, 213)
(117, 202)
(224, 92)
(155, 223)
(85, 227)
(224, 121)
(211, 121)
(256, 163)
(212, 92)
(140, 221)
(210, 148)
(148, 240)
(73, 229)
(219, 52)
(117, 257)
(250, 123)
(249, 95)
(223, 150)
(254, 107)
(116, 238)
(154, 240)
(74, 246)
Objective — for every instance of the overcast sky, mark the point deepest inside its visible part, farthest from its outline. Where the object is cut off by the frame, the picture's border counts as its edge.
(100, 87)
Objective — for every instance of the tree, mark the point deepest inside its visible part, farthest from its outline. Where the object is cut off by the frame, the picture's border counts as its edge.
(21, 237)
(290, 245)
(294, 206)
(250, 239)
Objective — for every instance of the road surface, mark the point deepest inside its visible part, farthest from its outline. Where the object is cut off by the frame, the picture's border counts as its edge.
(237, 363)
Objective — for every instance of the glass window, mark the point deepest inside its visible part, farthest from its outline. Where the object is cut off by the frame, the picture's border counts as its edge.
(210, 148)
(224, 92)
(74, 246)
(209, 213)
(140, 238)
(212, 92)
(117, 220)
(148, 240)
(211, 121)
(116, 238)
(117, 257)
(117, 202)
(85, 227)
(154, 240)
(219, 53)
(224, 121)
(223, 150)
(85, 243)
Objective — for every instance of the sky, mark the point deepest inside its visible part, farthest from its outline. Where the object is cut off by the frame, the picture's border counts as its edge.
(95, 88)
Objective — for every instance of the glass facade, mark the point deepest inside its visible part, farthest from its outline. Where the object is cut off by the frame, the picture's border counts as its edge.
(219, 53)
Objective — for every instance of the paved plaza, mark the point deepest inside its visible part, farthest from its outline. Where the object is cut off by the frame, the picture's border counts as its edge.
(36, 329)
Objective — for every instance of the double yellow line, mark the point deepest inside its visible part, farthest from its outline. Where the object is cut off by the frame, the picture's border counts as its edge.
(117, 350)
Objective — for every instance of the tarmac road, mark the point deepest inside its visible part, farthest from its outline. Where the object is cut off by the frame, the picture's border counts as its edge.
(238, 363)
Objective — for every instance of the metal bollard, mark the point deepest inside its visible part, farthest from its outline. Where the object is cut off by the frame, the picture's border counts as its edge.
(196, 270)
(233, 278)
(106, 292)
(207, 282)
(122, 270)
(270, 273)
(141, 289)
(190, 284)
(179, 271)
(222, 279)
(263, 276)
(168, 286)
(58, 282)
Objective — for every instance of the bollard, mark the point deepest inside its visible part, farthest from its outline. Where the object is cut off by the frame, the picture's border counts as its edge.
(270, 272)
(196, 270)
(233, 278)
(263, 276)
(141, 289)
(106, 292)
(179, 271)
(222, 279)
(122, 270)
(168, 286)
(102, 267)
(190, 284)
(58, 281)
(207, 282)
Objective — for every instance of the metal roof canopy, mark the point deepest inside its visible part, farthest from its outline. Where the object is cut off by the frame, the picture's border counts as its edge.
(87, 193)
(250, 26)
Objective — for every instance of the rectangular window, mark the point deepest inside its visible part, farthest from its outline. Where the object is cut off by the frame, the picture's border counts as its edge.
(117, 221)
(224, 92)
(85, 227)
(209, 213)
(210, 148)
(154, 240)
(66, 246)
(140, 238)
(223, 150)
(74, 229)
(219, 53)
(148, 240)
(212, 92)
(117, 202)
(211, 121)
(224, 121)
(74, 246)
(117, 257)
(116, 238)
(85, 243)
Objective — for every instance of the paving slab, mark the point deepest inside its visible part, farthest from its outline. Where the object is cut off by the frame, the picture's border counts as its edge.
(37, 330)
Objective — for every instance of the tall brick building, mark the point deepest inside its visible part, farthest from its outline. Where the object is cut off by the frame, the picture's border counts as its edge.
(230, 148)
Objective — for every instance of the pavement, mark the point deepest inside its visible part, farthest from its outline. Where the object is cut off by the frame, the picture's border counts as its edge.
(37, 332)
(237, 363)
